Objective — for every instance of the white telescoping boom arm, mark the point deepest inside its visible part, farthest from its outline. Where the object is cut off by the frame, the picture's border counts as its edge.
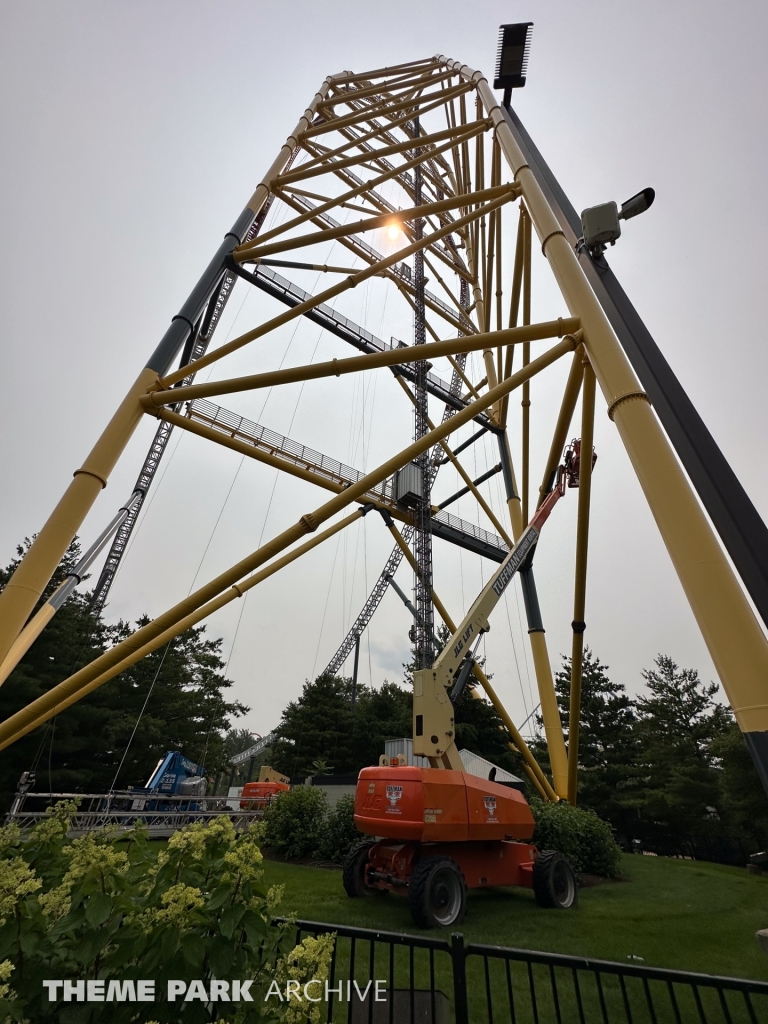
(434, 731)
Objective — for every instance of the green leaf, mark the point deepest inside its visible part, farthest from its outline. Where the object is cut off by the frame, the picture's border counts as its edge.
(165, 875)
(169, 944)
(98, 909)
(220, 957)
(230, 919)
(124, 952)
(75, 1013)
(218, 897)
(29, 942)
(255, 928)
(193, 948)
(7, 938)
(89, 946)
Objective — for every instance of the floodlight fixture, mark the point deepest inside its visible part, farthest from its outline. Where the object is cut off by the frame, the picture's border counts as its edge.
(512, 57)
(637, 204)
(600, 224)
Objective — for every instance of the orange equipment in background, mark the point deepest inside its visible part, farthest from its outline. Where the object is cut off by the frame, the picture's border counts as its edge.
(257, 795)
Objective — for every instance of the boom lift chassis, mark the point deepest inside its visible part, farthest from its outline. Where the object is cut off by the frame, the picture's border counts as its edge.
(444, 830)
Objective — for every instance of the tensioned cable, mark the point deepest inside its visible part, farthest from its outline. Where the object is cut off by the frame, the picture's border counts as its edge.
(497, 485)
(277, 472)
(272, 219)
(170, 643)
(143, 709)
(325, 609)
(155, 491)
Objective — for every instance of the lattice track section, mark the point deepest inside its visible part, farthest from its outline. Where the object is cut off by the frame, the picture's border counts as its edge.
(159, 444)
(401, 272)
(374, 600)
(269, 281)
(424, 627)
(337, 473)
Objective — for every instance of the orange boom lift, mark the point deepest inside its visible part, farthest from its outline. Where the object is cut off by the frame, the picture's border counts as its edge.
(441, 830)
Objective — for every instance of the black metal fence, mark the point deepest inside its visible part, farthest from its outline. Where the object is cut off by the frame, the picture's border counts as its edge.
(425, 980)
(718, 849)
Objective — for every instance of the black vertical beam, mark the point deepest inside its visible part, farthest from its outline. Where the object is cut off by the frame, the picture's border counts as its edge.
(424, 625)
(459, 970)
(354, 670)
(527, 582)
(195, 346)
(738, 523)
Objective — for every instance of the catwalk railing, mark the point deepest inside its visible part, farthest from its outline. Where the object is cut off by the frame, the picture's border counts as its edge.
(161, 815)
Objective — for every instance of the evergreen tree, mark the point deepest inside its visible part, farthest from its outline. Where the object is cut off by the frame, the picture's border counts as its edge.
(608, 744)
(678, 781)
(238, 740)
(322, 725)
(81, 749)
(743, 800)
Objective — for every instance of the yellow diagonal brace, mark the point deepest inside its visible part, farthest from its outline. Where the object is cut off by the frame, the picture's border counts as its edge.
(536, 775)
(249, 251)
(364, 76)
(330, 293)
(307, 524)
(328, 167)
(359, 189)
(137, 653)
(390, 88)
(354, 364)
(335, 123)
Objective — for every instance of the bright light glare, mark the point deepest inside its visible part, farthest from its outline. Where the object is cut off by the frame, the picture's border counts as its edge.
(393, 231)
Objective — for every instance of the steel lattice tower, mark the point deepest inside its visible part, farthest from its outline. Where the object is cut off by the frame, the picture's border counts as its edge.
(422, 536)
(456, 162)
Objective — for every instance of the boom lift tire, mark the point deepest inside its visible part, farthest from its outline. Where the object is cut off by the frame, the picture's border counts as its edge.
(554, 881)
(353, 871)
(437, 893)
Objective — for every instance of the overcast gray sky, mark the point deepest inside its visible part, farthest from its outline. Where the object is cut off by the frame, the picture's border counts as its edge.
(133, 134)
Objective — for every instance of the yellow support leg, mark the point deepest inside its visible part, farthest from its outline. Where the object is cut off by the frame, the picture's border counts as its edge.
(27, 584)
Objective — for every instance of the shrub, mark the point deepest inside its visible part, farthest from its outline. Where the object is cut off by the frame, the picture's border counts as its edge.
(112, 907)
(293, 823)
(339, 832)
(580, 834)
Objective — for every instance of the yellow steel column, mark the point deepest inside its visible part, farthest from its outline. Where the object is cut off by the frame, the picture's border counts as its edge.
(564, 417)
(25, 587)
(550, 713)
(733, 636)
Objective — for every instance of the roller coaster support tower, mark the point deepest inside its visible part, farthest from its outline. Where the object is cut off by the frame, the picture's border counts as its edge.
(652, 416)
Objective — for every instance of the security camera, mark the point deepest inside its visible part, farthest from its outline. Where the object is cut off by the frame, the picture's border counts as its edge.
(600, 224)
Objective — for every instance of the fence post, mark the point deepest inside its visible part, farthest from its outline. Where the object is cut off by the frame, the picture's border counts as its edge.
(459, 964)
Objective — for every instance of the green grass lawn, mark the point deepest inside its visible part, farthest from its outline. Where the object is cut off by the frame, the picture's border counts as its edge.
(688, 915)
